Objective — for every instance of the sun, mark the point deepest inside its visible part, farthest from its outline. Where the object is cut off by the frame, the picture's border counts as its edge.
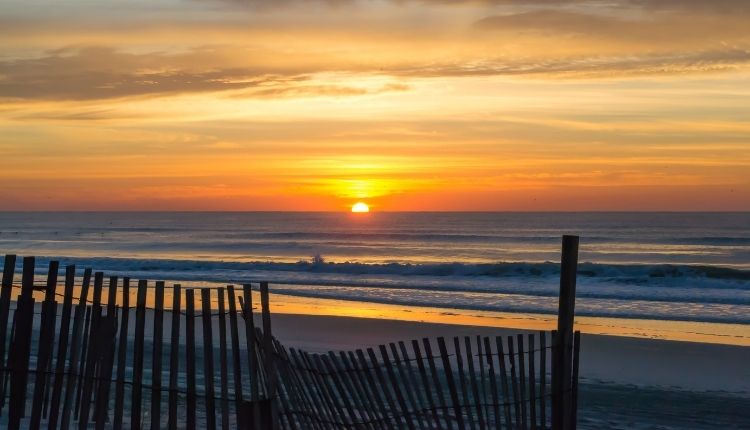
(360, 207)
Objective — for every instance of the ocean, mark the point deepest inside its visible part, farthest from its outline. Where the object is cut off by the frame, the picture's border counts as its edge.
(665, 266)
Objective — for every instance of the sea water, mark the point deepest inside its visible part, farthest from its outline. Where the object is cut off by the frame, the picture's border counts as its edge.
(669, 266)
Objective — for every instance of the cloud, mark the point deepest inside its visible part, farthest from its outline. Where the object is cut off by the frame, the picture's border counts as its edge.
(721, 6)
(714, 6)
(554, 21)
(593, 67)
(102, 73)
(96, 73)
(264, 61)
(651, 31)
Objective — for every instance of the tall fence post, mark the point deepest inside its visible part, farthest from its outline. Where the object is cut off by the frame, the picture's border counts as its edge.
(562, 359)
(270, 357)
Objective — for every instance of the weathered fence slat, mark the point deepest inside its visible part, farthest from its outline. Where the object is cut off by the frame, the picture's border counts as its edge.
(122, 354)
(522, 381)
(50, 361)
(250, 341)
(156, 358)
(298, 389)
(314, 389)
(45, 345)
(517, 399)
(174, 357)
(208, 359)
(348, 383)
(86, 387)
(138, 352)
(236, 357)
(366, 402)
(9, 270)
(75, 350)
(62, 346)
(107, 357)
(86, 371)
(372, 388)
(410, 391)
(532, 382)
(456, 405)
(426, 383)
(404, 410)
(94, 350)
(553, 381)
(223, 372)
(413, 380)
(463, 387)
(190, 357)
(327, 395)
(436, 381)
(20, 347)
(574, 382)
(286, 393)
(337, 388)
(380, 379)
(87, 368)
(503, 382)
(473, 383)
(482, 381)
(543, 378)
(493, 381)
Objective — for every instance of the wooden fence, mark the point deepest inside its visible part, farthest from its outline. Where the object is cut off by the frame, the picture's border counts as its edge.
(133, 358)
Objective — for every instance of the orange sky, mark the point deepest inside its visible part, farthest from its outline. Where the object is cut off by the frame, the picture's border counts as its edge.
(407, 105)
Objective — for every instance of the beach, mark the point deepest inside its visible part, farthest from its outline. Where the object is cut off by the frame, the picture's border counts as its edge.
(375, 214)
(662, 300)
(625, 382)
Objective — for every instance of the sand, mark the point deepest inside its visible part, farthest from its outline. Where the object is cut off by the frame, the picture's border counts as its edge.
(625, 382)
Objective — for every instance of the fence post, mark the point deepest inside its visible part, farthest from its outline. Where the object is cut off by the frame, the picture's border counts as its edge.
(562, 359)
(269, 355)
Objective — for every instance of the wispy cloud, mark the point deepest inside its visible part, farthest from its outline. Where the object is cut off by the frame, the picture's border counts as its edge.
(421, 104)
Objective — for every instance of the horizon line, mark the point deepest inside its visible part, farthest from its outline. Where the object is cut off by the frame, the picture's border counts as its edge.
(371, 212)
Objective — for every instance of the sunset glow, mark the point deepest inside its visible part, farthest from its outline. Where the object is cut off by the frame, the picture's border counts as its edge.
(412, 105)
(360, 208)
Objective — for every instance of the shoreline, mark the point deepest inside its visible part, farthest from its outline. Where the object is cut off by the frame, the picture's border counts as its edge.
(686, 331)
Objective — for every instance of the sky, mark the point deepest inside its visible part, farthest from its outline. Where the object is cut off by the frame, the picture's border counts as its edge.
(457, 105)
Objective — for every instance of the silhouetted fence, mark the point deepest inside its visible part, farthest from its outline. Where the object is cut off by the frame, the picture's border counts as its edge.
(130, 356)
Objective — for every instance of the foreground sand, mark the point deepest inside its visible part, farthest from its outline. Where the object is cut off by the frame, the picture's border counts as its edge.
(626, 382)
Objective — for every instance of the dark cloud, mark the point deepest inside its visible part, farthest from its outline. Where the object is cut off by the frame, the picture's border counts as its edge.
(101, 73)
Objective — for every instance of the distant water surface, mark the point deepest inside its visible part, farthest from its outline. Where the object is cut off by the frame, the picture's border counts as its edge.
(679, 266)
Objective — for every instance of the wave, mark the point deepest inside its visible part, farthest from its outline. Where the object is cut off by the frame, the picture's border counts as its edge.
(622, 272)
(662, 291)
